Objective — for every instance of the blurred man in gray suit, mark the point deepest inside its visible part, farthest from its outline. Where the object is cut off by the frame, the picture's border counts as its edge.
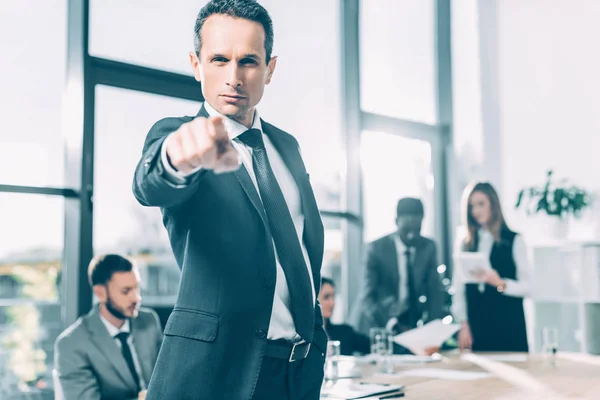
(110, 352)
(402, 285)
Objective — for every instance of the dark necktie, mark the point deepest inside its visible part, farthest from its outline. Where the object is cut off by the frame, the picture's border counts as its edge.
(128, 357)
(409, 276)
(284, 235)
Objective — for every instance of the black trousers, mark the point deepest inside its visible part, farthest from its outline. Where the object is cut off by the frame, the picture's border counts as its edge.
(280, 379)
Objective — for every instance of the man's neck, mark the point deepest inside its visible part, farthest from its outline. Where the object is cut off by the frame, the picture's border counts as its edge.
(116, 322)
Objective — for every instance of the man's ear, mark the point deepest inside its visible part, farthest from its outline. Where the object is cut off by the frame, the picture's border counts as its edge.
(271, 69)
(196, 66)
(100, 292)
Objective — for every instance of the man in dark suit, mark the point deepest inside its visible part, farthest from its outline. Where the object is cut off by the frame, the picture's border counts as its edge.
(243, 224)
(402, 285)
(110, 352)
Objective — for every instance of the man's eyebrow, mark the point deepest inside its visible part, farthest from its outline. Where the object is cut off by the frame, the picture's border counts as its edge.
(252, 55)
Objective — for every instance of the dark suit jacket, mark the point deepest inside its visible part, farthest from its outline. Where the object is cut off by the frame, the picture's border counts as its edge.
(350, 341)
(90, 366)
(216, 336)
(380, 290)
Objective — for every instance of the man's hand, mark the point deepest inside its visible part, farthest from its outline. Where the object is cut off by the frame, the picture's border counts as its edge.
(202, 142)
(490, 277)
(465, 340)
(142, 395)
(431, 350)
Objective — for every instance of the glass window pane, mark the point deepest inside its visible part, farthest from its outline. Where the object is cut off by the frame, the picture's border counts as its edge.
(412, 175)
(304, 96)
(30, 263)
(397, 58)
(152, 33)
(33, 79)
(121, 224)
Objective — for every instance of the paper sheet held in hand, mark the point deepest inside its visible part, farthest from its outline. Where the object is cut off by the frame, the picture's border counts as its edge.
(434, 333)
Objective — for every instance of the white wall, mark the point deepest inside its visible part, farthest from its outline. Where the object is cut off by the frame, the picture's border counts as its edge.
(549, 88)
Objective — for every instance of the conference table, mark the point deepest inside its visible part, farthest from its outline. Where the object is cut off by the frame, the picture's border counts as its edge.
(491, 376)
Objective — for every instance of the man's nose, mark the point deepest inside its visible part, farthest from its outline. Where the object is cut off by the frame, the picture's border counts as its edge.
(234, 76)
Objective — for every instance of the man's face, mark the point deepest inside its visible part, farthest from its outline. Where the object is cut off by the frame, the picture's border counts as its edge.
(121, 295)
(232, 65)
(409, 227)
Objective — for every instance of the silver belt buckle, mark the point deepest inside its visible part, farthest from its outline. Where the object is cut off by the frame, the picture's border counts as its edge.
(291, 359)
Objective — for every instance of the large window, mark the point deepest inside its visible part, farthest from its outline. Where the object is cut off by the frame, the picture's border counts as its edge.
(397, 59)
(33, 38)
(121, 224)
(30, 270)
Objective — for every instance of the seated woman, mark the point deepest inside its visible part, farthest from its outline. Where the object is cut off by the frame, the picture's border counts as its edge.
(350, 341)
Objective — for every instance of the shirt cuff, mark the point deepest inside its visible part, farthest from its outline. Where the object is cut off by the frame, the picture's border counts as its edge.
(514, 288)
(174, 175)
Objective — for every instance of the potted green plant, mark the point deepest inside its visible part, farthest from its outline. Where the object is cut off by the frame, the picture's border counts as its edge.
(558, 200)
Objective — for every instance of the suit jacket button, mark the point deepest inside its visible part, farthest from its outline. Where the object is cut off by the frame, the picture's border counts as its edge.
(260, 333)
(267, 285)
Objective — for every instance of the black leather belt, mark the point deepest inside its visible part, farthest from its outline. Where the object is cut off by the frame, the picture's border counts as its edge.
(286, 350)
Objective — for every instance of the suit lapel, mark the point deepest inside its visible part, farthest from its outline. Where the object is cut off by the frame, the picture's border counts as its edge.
(391, 255)
(108, 347)
(244, 179)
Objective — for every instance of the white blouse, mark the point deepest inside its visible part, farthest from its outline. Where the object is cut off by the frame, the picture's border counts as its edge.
(515, 288)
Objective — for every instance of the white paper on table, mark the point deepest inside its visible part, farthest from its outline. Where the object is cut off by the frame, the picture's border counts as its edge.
(510, 358)
(434, 333)
(399, 359)
(447, 374)
(470, 263)
(356, 390)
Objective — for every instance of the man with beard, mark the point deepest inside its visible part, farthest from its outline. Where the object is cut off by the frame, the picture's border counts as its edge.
(110, 352)
(402, 285)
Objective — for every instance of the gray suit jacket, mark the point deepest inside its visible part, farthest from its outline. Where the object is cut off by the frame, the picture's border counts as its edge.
(381, 285)
(89, 365)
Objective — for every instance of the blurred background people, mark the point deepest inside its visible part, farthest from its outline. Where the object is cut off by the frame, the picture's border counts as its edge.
(350, 341)
(401, 284)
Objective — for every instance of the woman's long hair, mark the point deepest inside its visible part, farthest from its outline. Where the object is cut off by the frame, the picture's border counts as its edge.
(496, 224)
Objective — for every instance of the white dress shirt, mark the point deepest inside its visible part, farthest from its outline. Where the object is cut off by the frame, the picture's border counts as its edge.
(521, 287)
(401, 248)
(113, 331)
(281, 325)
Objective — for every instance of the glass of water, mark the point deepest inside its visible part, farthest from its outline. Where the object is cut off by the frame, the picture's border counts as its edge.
(332, 360)
(550, 343)
(376, 334)
(382, 345)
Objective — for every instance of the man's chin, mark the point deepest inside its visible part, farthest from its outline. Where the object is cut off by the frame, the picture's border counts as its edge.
(232, 111)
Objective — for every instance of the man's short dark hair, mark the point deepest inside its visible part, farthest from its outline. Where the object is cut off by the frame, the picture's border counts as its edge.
(246, 9)
(410, 206)
(327, 281)
(102, 268)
